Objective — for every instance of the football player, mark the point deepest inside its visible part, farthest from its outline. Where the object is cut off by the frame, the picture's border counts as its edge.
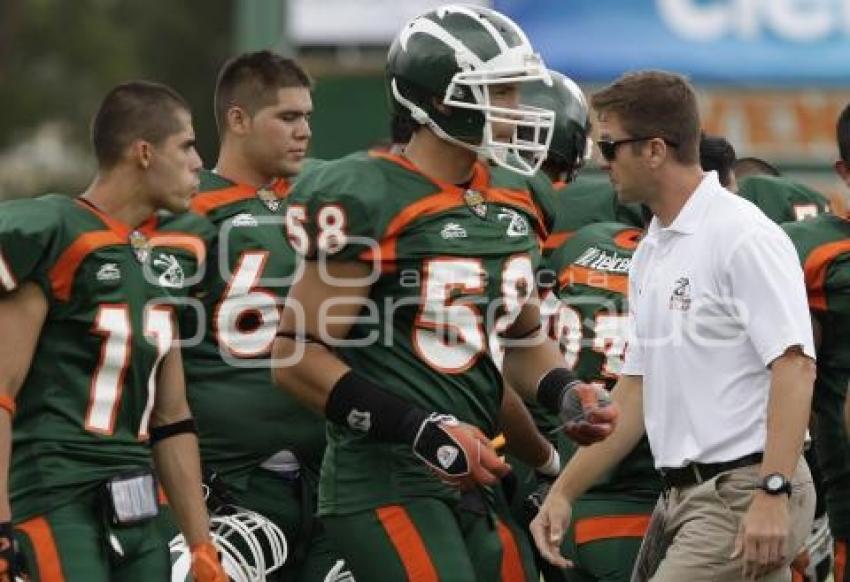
(586, 311)
(823, 244)
(579, 201)
(590, 320)
(411, 262)
(261, 444)
(716, 154)
(782, 199)
(90, 373)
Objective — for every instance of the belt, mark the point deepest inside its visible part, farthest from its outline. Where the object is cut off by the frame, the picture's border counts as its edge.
(694, 473)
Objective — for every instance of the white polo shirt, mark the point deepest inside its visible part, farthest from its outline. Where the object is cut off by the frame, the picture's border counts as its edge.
(715, 297)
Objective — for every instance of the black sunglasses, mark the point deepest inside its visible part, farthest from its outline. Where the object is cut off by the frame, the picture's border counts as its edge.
(608, 147)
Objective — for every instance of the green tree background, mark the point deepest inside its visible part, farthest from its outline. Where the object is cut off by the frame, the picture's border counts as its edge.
(58, 58)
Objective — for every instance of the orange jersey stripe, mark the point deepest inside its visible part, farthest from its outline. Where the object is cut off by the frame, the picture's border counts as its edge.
(115, 225)
(611, 526)
(480, 175)
(520, 199)
(181, 240)
(841, 574)
(63, 271)
(46, 555)
(628, 239)
(408, 543)
(578, 275)
(161, 497)
(556, 239)
(511, 562)
(206, 202)
(815, 268)
(432, 204)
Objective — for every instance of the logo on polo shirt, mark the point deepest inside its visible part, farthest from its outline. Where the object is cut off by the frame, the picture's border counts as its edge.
(680, 299)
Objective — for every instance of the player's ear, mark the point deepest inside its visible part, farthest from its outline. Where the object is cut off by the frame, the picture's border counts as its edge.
(238, 120)
(141, 152)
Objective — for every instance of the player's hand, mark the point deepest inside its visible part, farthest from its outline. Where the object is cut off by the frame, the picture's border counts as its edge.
(549, 526)
(7, 552)
(206, 565)
(457, 452)
(588, 414)
(762, 541)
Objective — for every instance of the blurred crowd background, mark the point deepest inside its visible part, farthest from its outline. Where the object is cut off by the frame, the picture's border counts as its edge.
(772, 74)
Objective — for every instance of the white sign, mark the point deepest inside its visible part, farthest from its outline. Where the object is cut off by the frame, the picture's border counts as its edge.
(329, 22)
(791, 20)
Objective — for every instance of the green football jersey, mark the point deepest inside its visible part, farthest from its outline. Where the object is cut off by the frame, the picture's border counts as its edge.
(242, 417)
(781, 199)
(590, 320)
(454, 266)
(587, 201)
(823, 245)
(114, 294)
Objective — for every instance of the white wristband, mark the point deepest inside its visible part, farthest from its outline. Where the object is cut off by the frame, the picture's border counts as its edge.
(552, 467)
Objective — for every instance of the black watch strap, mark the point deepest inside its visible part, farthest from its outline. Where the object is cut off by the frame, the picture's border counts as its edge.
(776, 484)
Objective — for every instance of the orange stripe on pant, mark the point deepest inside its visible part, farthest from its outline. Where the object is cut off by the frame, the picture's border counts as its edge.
(408, 543)
(840, 560)
(511, 562)
(611, 526)
(46, 555)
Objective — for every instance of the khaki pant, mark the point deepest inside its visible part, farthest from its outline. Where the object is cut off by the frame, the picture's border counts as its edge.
(701, 523)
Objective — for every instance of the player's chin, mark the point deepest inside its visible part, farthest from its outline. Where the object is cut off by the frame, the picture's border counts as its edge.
(180, 202)
(290, 167)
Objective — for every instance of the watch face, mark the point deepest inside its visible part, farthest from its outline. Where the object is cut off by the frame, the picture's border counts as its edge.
(775, 482)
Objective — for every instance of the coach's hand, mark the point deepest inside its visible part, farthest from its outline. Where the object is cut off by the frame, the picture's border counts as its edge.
(457, 452)
(762, 542)
(549, 526)
(206, 565)
(588, 414)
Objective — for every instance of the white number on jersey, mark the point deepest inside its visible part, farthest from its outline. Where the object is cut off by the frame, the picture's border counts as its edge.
(246, 318)
(113, 323)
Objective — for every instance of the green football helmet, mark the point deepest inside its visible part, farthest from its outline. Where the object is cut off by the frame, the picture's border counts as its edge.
(570, 146)
(439, 71)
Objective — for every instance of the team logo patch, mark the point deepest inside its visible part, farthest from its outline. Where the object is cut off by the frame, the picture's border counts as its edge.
(244, 219)
(172, 275)
(476, 203)
(360, 420)
(680, 299)
(518, 225)
(108, 272)
(269, 198)
(453, 230)
(140, 245)
(446, 455)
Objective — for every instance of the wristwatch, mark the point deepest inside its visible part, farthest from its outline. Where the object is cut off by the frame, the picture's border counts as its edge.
(775, 484)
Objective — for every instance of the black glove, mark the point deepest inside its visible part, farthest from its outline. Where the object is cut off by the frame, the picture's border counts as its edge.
(457, 452)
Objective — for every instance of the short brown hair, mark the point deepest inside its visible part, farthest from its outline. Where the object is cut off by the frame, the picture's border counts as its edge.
(131, 111)
(251, 81)
(655, 104)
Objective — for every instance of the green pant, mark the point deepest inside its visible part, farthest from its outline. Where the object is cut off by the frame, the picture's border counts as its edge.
(73, 543)
(290, 504)
(604, 538)
(428, 540)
